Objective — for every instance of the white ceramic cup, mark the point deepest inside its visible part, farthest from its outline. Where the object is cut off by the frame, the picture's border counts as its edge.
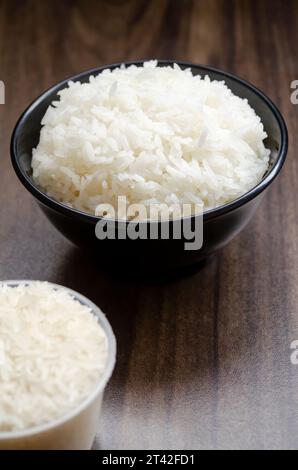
(75, 430)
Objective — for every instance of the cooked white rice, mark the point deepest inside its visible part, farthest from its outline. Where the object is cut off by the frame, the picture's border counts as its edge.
(153, 134)
(52, 353)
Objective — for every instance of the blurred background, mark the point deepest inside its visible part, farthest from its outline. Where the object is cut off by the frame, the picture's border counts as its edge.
(203, 360)
(42, 42)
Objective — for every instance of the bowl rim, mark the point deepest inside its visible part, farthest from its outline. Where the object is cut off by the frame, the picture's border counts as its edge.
(64, 209)
(100, 385)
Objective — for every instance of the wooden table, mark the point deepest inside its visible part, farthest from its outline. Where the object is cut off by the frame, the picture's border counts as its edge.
(204, 360)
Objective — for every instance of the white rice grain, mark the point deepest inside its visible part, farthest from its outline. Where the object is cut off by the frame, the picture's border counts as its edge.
(53, 352)
(148, 133)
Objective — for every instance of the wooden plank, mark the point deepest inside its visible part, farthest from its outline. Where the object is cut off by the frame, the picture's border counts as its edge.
(203, 361)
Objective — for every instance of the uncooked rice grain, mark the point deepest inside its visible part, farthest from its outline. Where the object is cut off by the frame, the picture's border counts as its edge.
(53, 352)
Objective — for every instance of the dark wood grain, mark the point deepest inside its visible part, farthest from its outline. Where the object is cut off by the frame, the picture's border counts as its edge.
(204, 360)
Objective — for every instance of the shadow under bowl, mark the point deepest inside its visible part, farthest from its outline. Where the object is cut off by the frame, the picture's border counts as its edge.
(220, 225)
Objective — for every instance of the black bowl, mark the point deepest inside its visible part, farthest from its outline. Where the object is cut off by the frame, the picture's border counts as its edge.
(220, 224)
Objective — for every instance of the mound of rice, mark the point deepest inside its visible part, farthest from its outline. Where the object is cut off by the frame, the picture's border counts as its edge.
(153, 134)
(52, 354)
